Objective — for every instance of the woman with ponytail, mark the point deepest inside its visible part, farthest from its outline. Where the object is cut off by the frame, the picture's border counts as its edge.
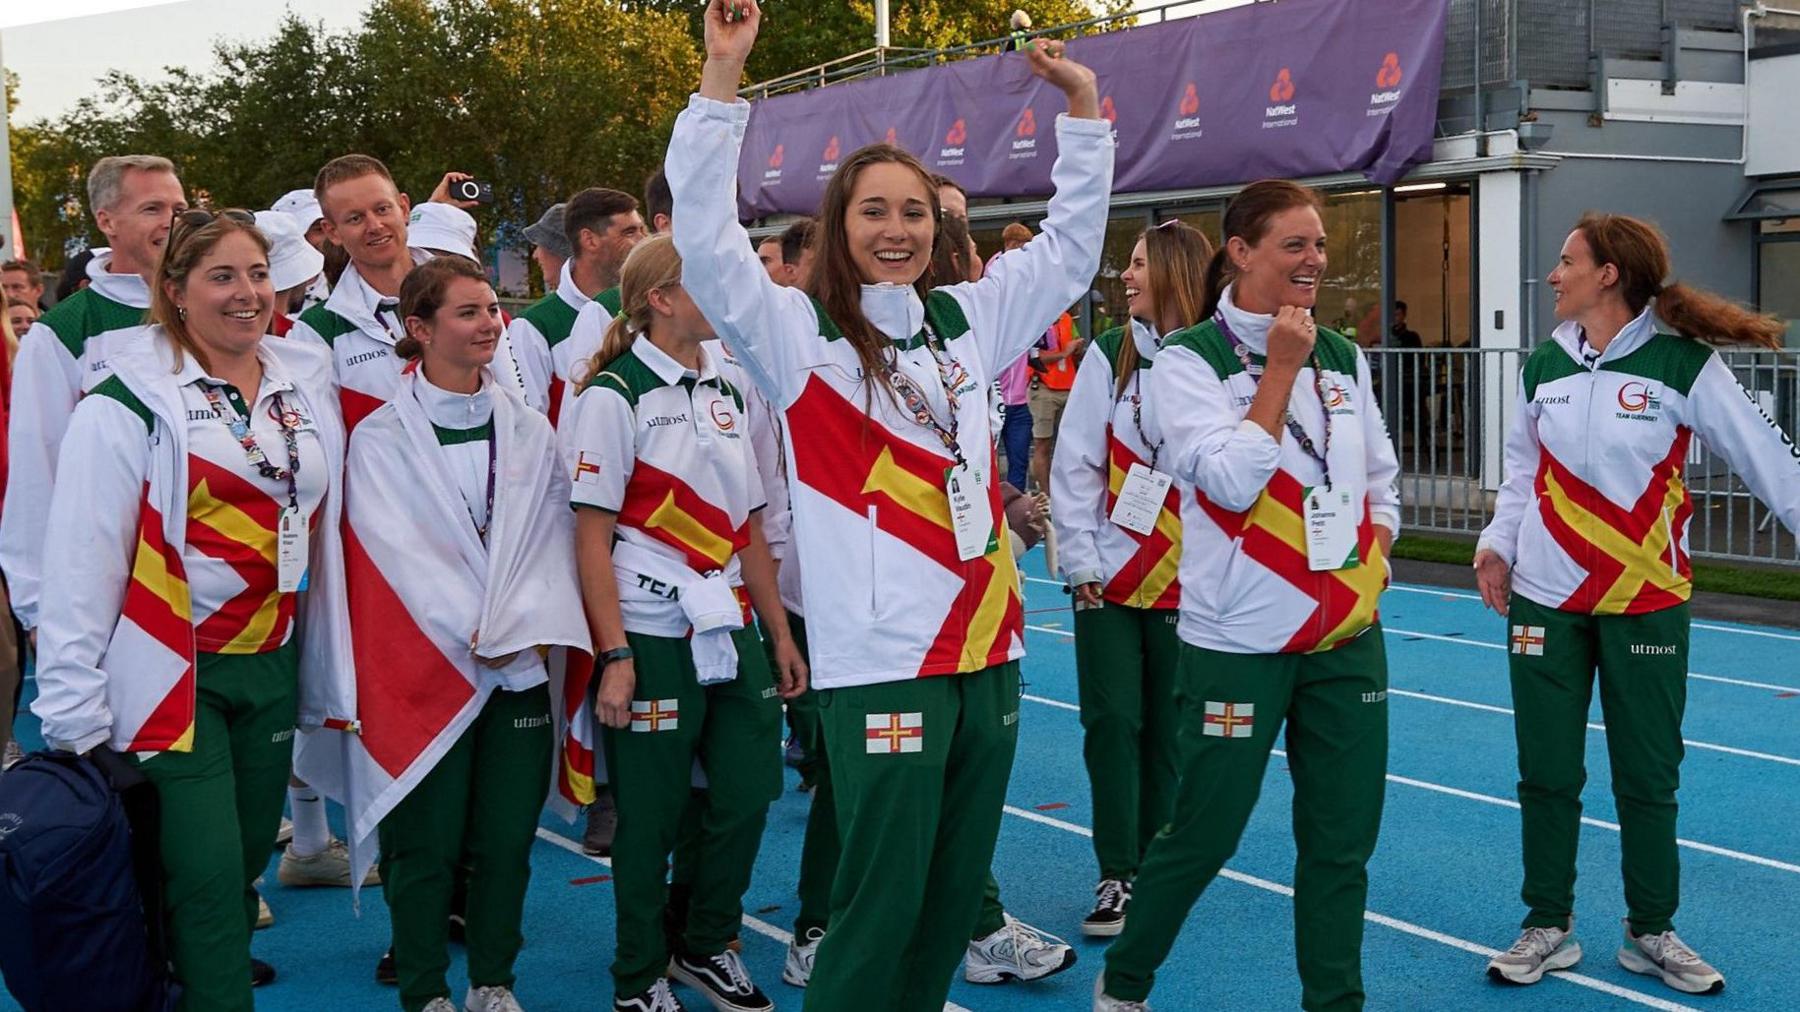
(1587, 557)
(669, 544)
(882, 382)
(1118, 520)
(1268, 418)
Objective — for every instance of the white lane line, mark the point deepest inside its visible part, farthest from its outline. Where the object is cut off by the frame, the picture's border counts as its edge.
(1690, 743)
(1489, 799)
(1709, 627)
(1391, 922)
(755, 924)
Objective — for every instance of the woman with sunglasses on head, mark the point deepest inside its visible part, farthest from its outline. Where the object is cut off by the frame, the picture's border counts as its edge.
(1587, 557)
(1118, 519)
(1269, 418)
(197, 494)
(883, 385)
(669, 545)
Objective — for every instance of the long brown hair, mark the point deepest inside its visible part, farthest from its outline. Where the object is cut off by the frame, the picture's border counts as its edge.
(422, 295)
(835, 281)
(188, 242)
(1247, 217)
(1641, 255)
(1178, 258)
(950, 253)
(652, 264)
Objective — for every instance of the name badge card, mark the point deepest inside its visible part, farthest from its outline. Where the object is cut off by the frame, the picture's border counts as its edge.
(291, 554)
(1141, 499)
(1330, 521)
(970, 519)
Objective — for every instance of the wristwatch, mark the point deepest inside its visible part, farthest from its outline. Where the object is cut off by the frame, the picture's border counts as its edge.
(606, 658)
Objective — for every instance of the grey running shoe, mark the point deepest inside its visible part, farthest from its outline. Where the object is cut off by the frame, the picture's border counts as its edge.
(1537, 952)
(1665, 955)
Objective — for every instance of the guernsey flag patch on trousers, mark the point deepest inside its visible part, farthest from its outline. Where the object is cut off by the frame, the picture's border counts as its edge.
(892, 733)
(1528, 639)
(655, 715)
(1229, 720)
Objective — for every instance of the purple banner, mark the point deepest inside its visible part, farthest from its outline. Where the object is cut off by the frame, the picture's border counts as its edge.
(1299, 88)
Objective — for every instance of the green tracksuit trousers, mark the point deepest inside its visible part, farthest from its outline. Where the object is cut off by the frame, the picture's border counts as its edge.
(477, 807)
(734, 728)
(919, 771)
(220, 807)
(1642, 665)
(1334, 705)
(1125, 660)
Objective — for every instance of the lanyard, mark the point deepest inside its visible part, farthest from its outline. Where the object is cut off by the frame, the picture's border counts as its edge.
(1137, 416)
(239, 424)
(481, 529)
(1293, 425)
(950, 374)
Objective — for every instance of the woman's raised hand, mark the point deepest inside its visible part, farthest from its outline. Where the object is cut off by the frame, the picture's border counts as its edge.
(1049, 61)
(731, 27)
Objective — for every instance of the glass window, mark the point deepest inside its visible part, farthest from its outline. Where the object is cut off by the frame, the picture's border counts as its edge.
(1778, 282)
(1432, 269)
(1115, 255)
(1350, 294)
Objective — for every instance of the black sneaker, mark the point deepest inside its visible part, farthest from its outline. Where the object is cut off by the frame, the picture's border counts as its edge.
(602, 823)
(261, 973)
(1111, 897)
(656, 998)
(385, 972)
(723, 980)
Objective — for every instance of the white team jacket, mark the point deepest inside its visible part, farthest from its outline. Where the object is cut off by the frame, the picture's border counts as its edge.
(1246, 586)
(1593, 515)
(63, 356)
(1102, 434)
(887, 597)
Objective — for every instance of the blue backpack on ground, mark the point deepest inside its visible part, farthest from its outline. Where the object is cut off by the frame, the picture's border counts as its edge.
(76, 937)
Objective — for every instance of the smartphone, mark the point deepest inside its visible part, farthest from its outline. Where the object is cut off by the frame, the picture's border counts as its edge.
(473, 189)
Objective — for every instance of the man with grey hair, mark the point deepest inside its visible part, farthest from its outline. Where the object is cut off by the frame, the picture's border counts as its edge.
(134, 199)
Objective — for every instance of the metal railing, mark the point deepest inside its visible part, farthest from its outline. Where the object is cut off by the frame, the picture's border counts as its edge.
(1448, 411)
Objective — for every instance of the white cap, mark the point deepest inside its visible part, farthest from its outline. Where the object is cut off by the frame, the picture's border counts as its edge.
(292, 260)
(437, 226)
(302, 205)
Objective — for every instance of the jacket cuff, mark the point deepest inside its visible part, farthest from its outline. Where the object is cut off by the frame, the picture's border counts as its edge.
(711, 108)
(1083, 576)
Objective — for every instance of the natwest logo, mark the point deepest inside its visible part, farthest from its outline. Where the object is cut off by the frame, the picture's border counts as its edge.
(1027, 124)
(775, 158)
(1187, 122)
(952, 151)
(1190, 100)
(892, 137)
(1108, 112)
(959, 132)
(1283, 88)
(1389, 74)
(828, 159)
(1024, 143)
(831, 149)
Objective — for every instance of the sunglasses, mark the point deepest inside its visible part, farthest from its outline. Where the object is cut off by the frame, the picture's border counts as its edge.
(195, 217)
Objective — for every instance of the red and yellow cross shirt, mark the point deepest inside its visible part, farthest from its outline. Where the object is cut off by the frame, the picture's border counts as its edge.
(1245, 583)
(64, 355)
(1593, 516)
(664, 447)
(164, 535)
(887, 595)
(1103, 433)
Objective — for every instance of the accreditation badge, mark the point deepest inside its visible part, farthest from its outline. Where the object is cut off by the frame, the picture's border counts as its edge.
(970, 519)
(291, 550)
(1141, 499)
(1330, 521)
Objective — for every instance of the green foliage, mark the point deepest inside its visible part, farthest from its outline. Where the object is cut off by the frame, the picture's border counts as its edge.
(539, 97)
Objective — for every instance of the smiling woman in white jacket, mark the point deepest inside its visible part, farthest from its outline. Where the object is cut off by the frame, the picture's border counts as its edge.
(197, 494)
(1118, 524)
(1587, 556)
(896, 509)
(1288, 508)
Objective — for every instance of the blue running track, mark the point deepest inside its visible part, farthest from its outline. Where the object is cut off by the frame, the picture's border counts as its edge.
(1444, 881)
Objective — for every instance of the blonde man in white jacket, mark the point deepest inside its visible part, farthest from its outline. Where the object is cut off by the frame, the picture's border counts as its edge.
(198, 493)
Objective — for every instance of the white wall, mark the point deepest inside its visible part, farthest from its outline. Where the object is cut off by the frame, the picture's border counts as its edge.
(1774, 141)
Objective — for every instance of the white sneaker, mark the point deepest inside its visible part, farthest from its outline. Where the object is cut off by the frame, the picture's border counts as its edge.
(440, 1005)
(1667, 956)
(1017, 951)
(802, 952)
(491, 999)
(656, 998)
(264, 916)
(1104, 1002)
(1537, 952)
(329, 867)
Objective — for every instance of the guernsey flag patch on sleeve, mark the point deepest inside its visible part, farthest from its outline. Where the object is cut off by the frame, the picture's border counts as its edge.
(892, 733)
(655, 715)
(1528, 639)
(587, 467)
(1229, 720)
